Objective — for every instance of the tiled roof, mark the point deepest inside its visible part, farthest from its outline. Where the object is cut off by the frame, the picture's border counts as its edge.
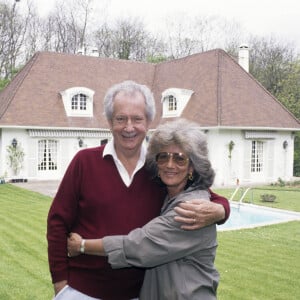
(224, 94)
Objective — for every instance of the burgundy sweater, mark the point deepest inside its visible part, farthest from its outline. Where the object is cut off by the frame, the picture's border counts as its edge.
(93, 201)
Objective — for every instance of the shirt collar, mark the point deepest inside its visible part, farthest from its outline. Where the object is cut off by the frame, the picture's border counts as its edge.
(109, 149)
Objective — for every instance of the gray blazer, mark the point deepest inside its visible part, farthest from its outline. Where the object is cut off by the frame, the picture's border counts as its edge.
(180, 263)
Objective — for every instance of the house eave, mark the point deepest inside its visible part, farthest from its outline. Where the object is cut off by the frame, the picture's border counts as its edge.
(251, 128)
(54, 128)
(107, 129)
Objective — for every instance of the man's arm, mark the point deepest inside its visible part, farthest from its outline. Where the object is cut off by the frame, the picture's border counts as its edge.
(215, 198)
(61, 216)
(199, 213)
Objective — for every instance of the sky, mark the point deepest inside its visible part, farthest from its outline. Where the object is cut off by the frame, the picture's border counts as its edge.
(279, 18)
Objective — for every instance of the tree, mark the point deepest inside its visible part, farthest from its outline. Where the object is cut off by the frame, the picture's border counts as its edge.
(103, 40)
(32, 42)
(187, 36)
(289, 93)
(297, 155)
(66, 28)
(128, 39)
(13, 28)
(270, 62)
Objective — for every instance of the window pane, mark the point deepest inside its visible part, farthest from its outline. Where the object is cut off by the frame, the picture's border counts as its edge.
(172, 103)
(74, 104)
(82, 102)
(257, 156)
(42, 155)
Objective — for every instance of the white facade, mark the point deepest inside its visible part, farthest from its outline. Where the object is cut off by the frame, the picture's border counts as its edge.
(258, 159)
(47, 152)
(272, 162)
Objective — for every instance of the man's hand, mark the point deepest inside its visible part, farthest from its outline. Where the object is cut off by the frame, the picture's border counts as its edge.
(198, 213)
(58, 286)
(74, 242)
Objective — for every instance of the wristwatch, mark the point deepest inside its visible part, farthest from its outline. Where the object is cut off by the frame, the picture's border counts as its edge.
(82, 246)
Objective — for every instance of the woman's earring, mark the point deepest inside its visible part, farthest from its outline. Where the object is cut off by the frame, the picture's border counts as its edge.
(191, 177)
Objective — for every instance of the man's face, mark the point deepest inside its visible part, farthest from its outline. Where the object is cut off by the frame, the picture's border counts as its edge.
(129, 124)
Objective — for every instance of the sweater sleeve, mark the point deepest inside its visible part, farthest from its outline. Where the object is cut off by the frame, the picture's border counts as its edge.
(224, 202)
(158, 242)
(61, 216)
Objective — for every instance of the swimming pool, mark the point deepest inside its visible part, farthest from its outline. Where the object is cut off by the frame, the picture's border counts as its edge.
(250, 215)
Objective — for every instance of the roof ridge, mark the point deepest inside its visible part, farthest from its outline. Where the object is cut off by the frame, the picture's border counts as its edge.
(95, 57)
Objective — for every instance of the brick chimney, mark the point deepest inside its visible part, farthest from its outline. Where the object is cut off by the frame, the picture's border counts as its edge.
(244, 57)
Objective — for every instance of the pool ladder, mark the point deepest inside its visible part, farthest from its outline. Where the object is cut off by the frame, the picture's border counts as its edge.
(242, 197)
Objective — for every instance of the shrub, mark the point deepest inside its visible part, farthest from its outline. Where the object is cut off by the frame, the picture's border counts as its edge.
(268, 198)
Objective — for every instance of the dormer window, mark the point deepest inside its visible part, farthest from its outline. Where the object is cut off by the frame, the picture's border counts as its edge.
(78, 102)
(174, 101)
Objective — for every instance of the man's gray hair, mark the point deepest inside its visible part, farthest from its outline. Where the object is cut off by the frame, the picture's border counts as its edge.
(130, 87)
(188, 136)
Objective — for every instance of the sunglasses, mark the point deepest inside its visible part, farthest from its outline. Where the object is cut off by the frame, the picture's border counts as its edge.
(179, 158)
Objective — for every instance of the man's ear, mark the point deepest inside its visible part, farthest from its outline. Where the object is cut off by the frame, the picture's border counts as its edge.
(110, 124)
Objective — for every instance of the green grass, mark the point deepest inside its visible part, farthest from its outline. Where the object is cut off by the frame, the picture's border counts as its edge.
(24, 270)
(286, 197)
(261, 263)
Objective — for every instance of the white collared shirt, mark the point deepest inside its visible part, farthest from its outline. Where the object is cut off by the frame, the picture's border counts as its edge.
(109, 149)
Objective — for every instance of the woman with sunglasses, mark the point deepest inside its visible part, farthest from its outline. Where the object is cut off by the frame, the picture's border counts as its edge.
(180, 263)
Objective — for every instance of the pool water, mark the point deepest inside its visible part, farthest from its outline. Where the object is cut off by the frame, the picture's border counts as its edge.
(248, 215)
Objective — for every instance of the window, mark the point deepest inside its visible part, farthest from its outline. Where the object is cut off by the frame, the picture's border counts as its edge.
(47, 155)
(257, 157)
(172, 103)
(174, 100)
(79, 102)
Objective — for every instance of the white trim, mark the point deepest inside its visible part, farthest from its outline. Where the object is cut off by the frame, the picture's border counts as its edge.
(260, 134)
(67, 133)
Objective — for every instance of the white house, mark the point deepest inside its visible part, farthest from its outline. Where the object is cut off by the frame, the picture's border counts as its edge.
(53, 108)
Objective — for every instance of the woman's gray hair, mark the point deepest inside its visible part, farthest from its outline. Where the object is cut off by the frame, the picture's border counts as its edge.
(188, 136)
(129, 87)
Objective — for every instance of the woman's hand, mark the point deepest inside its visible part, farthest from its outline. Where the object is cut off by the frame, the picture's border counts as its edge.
(74, 243)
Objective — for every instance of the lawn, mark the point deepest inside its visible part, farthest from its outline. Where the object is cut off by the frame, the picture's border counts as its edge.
(287, 197)
(261, 263)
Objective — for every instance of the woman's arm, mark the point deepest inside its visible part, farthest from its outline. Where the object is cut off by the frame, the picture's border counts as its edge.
(158, 242)
(77, 245)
